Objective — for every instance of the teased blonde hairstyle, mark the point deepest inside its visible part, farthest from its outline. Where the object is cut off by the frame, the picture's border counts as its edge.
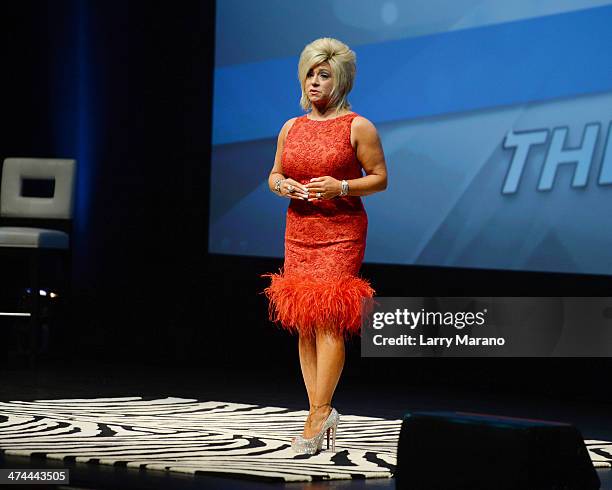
(342, 62)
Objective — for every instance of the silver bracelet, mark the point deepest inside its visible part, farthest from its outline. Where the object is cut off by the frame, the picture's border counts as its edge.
(345, 188)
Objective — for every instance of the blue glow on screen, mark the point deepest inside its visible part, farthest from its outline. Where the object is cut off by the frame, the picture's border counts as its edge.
(76, 96)
(83, 120)
(494, 119)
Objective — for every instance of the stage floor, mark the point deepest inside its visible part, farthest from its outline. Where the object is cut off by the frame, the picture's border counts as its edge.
(269, 388)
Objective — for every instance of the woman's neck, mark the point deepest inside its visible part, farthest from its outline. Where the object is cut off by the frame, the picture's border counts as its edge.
(325, 113)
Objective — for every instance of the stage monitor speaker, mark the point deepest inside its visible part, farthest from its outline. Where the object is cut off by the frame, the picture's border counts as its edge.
(459, 450)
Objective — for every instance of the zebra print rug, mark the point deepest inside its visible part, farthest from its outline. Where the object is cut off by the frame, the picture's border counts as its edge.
(196, 437)
(191, 436)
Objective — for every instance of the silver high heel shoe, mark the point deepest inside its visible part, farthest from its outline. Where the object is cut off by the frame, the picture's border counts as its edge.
(315, 444)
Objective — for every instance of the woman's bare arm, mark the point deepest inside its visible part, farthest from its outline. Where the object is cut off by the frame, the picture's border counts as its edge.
(371, 156)
(277, 169)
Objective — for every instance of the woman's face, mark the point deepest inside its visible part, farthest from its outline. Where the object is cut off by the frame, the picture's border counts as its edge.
(319, 83)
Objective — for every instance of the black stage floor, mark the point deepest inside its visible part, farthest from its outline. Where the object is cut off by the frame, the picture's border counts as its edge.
(266, 387)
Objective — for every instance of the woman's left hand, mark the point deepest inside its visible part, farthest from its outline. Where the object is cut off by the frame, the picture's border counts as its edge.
(323, 188)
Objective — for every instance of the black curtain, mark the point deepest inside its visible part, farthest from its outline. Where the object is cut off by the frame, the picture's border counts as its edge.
(125, 88)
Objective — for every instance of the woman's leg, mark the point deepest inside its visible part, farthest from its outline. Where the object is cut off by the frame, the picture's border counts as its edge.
(330, 361)
(308, 362)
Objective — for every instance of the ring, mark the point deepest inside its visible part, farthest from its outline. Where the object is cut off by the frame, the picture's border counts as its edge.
(319, 195)
(290, 188)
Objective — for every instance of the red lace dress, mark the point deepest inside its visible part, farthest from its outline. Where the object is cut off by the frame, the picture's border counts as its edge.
(319, 286)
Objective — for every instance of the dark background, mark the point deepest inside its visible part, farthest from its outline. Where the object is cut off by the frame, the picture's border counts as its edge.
(126, 88)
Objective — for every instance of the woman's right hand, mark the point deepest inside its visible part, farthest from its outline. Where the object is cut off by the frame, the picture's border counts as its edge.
(293, 190)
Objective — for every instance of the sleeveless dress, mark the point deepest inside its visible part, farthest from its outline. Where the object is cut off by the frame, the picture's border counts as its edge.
(318, 286)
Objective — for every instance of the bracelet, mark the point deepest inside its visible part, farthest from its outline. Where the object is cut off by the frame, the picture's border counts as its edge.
(277, 184)
(344, 190)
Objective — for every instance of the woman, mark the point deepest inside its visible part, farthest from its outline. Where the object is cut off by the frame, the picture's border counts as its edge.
(318, 165)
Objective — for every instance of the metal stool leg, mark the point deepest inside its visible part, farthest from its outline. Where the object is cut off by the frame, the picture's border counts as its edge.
(34, 307)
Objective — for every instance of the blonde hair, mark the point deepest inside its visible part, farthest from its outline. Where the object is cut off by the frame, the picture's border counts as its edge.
(342, 62)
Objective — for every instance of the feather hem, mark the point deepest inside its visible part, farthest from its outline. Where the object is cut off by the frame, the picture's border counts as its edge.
(306, 305)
